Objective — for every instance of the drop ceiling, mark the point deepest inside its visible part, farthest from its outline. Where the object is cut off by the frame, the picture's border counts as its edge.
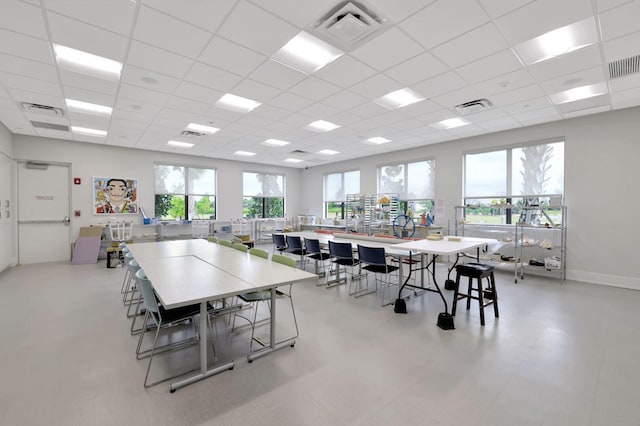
(181, 57)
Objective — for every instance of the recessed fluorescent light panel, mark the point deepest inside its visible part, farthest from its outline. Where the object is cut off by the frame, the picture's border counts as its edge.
(579, 93)
(237, 103)
(179, 144)
(87, 63)
(328, 152)
(377, 140)
(321, 126)
(399, 99)
(275, 142)
(293, 160)
(87, 108)
(245, 153)
(88, 132)
(558, 42)
(202, 129)
(450, 123)
(306, 53)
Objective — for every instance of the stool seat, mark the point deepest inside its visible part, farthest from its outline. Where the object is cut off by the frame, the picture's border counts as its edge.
(477, 271)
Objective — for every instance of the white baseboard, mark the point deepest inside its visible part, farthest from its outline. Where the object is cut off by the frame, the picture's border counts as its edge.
(632, 283)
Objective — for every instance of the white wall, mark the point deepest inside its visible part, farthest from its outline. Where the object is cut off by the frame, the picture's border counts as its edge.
(601, 187)
(7, 184)
(89, 160)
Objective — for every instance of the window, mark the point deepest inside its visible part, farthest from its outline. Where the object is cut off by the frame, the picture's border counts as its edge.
(499, 183)
(413, 182)
(263, 195)
(184, 192)
(336, 188)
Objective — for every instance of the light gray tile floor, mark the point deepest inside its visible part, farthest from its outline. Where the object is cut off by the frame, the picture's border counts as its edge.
(560, 354)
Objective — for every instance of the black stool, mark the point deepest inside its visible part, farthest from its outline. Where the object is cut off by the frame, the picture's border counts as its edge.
(478, 271)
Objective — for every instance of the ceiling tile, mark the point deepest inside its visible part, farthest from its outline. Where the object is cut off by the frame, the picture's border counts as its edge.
(626, 99)
(443, 83)
(620, 21)
(86, 82)
(143, 95)
(112, 15)
(539, 17)
(625, 83)
(608, 4)
(230, 56)
(417, 69)
(290, 102)
(89, 96)
(160, 30)
(148, 79)
(518, 95)
(254, 90)
(212, 77)
(320, 111)
(456, 97)
(148, 111)
(247, 15)
(382, 52)
(187, 105)
(25, 47)
(344, 100)
(500, 124)
(442, 21)
(13, 81)
(497, 8)
(376, 86)
(579, 60)
(277, 75)
(577, 79)
(398, 10)
(23, 18)
(197, 93)
(314, 88)
(471, 46)
(204, 14)
(345, 71)
(298, 13)
(152, 58)
(28, 68)
(506, 82)
(489, 67)
(78, 35)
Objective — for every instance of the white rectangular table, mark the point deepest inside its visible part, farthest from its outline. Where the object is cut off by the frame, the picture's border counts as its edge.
(446, 247)
(187, 272)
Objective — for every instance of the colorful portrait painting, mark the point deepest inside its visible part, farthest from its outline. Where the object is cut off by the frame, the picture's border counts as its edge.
(115, 195)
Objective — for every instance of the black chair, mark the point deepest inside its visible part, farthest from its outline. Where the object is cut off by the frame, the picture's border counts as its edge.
(342, 255)
(375, 260)
(478, 271)
(314, 252)
(294, 246)
(279, 242)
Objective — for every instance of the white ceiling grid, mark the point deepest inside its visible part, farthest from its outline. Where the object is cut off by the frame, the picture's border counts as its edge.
(181, 57)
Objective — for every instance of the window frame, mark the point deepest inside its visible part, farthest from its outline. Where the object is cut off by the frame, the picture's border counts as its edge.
(187, 194)
(404, 201)
(341, 204)
(264, 201)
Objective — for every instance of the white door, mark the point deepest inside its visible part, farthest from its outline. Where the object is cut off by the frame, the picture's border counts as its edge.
(44, 234)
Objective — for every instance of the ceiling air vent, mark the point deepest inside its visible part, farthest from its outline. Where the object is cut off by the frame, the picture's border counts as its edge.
(474, 106)
(298, 152)
(348, 25)
(624, 67)
(192, 134)
(42, 109)
(49, 126)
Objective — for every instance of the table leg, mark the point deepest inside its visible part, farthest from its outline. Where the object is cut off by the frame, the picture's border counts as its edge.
(204, 372)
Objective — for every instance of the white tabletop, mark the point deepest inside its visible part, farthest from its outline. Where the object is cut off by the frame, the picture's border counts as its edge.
(445, 246)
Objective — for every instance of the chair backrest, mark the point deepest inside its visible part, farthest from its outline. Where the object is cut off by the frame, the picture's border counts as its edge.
(340, 250)
(372, 255)
(293, 243)
(121, 231)
(312, 246)
(259, 252)
(133, 266)
(279, 241)
(148, 296)
(226, 243)
(241, 247)
(285, 260)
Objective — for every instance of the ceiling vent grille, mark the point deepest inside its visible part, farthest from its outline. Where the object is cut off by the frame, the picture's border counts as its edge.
(50, 126)
(192, 134)
(42, 109)
(298, 152)
(624, 67)
(474, 106)
(348, 25)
